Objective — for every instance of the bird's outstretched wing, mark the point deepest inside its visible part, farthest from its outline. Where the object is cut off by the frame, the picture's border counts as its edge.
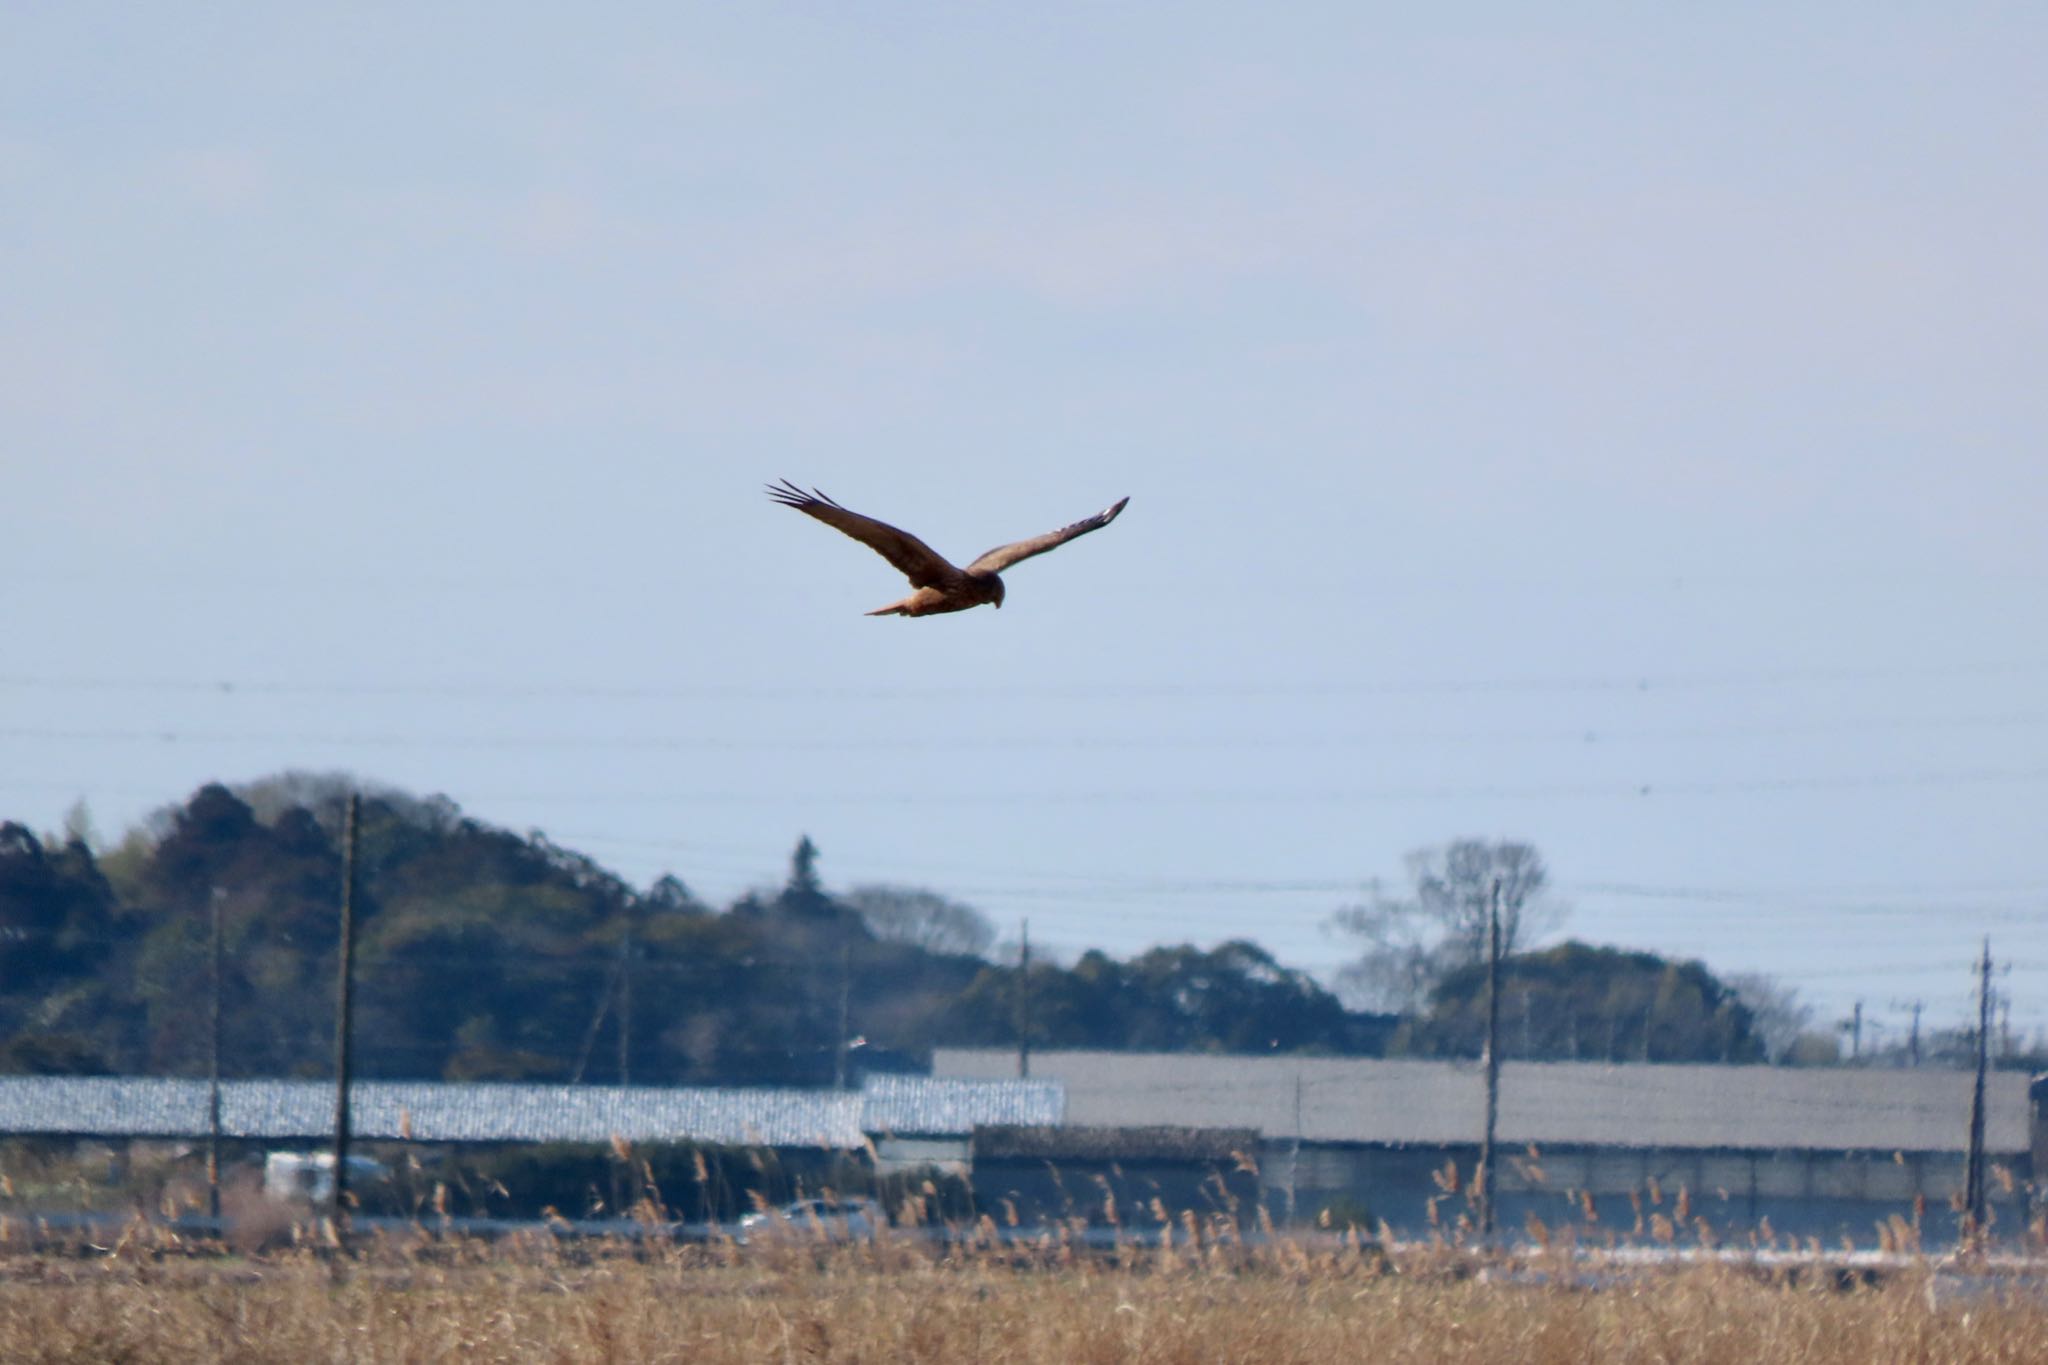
(920, 563)
(1003, 556)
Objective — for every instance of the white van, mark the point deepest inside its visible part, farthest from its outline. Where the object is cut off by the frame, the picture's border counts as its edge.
(308, 1177)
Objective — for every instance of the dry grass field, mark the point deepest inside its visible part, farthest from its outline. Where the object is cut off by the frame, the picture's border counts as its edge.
(508, 1302)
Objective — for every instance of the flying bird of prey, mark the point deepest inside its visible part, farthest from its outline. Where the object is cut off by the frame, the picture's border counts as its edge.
(940, 586)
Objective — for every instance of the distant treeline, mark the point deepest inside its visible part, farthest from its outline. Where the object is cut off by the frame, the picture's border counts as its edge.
(487, 954)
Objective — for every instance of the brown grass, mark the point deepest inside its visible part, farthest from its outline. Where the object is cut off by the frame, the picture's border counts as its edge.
(144, 1301)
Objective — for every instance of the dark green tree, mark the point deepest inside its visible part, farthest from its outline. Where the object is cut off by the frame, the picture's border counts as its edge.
(1580, 1002)
(1232, 998)
(55, 911)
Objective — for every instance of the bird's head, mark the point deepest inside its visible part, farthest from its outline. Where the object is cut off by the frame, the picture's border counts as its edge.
(998, 583)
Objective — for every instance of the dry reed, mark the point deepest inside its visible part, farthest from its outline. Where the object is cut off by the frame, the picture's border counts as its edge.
(146, 1298)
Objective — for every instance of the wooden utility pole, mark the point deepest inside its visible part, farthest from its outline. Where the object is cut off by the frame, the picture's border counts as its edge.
(605, 997)
(626, 1189)
(1486, 1181)
(845, 991)
(1024, 1006)
(1913, 1007)
(626, 1006)
(1294, 1147)
(1973, 1173)
(213, 1076)
(344, 1014)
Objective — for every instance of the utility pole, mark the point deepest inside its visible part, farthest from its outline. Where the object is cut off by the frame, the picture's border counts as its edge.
(605, 998)
(344, 1015)
(845, 990)
(213, 1076)
(1912, 1007)
(1294, 1148)
(626, 1189)
(626, 1007)
(1024, 1006)
(1486, 1181)
(1973, 1173)
(1856, 1032)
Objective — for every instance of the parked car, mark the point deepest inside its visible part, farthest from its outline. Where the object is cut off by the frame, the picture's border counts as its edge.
(821, 1220)
(308, 1177)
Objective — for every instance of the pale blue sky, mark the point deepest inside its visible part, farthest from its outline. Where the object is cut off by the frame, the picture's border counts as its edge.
(1617, 429)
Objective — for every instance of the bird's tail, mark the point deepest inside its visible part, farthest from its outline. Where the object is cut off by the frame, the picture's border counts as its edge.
(893, 609)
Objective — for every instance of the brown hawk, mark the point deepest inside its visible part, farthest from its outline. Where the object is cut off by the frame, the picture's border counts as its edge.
(940, 586)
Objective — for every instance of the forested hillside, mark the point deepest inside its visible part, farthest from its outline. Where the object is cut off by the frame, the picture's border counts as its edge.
(487, 954)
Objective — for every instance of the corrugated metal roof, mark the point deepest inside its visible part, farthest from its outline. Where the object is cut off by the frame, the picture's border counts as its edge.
(432, 1112)
(920, 1104)
(1561, 1103)
(495, 1112)
(125, 1105)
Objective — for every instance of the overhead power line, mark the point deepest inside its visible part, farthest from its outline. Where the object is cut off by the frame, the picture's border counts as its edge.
(1202, 737)
(1644, 682)
(769, 857)
(1153, 796)
(1167, 796)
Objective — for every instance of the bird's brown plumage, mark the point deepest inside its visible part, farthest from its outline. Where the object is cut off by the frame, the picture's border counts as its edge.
(941, 586)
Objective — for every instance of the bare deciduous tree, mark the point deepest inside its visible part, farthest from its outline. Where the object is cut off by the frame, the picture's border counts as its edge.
(1777, 1015)
(1409, 943)
(925, 919)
